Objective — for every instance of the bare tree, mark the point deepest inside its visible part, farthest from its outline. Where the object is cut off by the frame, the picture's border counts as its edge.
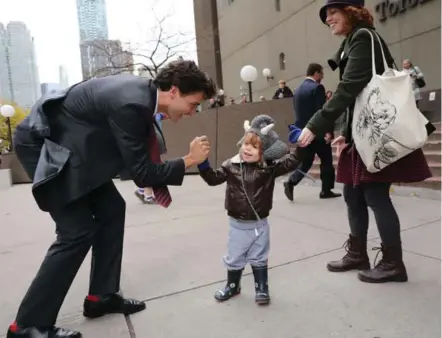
(106, 57)
(145, 57)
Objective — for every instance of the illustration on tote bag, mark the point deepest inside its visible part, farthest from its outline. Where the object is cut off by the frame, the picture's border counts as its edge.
(376, 117)
(387, 125)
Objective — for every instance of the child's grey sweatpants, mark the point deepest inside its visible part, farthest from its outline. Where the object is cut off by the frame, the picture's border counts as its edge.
(249, 242)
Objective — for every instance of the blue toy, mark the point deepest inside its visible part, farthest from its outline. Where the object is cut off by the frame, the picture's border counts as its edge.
(294, 133)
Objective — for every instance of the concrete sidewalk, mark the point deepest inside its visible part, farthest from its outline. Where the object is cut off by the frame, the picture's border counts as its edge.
(172, 260)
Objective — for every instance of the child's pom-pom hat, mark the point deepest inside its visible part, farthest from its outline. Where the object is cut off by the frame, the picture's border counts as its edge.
(272, 146)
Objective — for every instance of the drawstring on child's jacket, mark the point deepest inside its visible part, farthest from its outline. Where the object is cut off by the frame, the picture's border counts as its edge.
(262, 126)
(245, 192)
(247, 196)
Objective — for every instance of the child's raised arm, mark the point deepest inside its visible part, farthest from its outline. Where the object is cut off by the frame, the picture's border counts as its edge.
(212, 176)
(288, 163)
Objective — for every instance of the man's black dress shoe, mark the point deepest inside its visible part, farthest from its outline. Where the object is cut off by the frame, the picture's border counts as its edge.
(32, 332)
(97, 306)
(288, 190)
(329, 194)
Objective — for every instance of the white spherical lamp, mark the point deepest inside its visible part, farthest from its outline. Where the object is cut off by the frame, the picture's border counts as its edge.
(7, 110)
(266, 72)
(220, 92)
(248, 73)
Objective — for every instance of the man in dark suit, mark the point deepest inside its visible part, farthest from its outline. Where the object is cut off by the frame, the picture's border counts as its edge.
(308, 99)
(283, 91)
(72, 145)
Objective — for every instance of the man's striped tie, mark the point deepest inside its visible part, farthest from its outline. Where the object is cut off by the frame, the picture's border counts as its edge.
(162, 194)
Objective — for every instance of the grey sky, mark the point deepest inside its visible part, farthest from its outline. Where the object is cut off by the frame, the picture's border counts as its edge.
(56, 35)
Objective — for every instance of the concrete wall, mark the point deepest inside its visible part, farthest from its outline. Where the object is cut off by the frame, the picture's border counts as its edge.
(206, 30)
(253, 32)
(10, 162)
(224, 128)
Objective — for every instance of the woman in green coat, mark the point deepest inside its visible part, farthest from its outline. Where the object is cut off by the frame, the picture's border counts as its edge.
(362, 190)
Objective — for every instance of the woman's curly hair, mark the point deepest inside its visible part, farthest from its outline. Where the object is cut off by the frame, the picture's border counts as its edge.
(358, 15)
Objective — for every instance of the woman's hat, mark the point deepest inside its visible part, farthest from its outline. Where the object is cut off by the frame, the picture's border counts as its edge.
(338, 3)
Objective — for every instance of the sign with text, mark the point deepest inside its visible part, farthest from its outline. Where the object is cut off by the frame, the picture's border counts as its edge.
(391, 8)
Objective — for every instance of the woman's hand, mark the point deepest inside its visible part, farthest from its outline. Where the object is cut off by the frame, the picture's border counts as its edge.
(340, 144)
(306, 137)
(328, 137)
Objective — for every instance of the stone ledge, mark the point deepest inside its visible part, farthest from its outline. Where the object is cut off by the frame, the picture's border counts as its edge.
(5, 178)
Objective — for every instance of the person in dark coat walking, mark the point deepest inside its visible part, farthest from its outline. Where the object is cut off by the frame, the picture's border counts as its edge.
(72, 145)
(362, 190)
(309, 97)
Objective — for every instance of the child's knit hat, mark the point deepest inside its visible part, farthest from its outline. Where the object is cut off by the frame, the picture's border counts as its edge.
(273, 147)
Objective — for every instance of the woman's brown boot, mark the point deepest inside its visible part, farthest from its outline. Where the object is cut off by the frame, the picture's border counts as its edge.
(356, 257)
(391, 267)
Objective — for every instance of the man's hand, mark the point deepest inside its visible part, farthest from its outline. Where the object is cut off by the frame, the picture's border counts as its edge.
(198, 151)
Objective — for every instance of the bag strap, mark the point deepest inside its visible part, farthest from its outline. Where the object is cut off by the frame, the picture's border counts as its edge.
(373, 61)
(245, 191)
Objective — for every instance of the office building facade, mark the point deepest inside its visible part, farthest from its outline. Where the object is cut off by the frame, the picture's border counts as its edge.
(286, 35)
(48, 88)
(94, 39)
(105, 57)
(63, 77)
(92, 20)
(20, 79)
(5, 82)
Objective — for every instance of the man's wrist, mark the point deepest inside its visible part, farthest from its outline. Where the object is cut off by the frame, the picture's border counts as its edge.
(189, 162)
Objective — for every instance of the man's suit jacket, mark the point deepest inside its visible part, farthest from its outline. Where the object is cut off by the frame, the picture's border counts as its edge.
(308, 99)
(76, 140)
(286, 92)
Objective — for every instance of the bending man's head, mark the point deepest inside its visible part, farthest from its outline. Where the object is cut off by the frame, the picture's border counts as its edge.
(183, 86)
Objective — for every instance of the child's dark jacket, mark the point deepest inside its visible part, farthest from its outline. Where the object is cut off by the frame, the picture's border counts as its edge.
(259, 182)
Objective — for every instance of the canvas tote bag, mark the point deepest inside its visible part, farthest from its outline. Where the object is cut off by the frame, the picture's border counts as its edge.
(387, 125)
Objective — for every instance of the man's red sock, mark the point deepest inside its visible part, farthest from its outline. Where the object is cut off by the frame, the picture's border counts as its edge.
(13, 327)
(93, 298)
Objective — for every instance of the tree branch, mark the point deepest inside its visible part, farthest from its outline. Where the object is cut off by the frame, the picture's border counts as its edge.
(149, 56)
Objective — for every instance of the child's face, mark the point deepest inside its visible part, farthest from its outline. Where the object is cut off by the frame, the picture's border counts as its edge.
(250, 153)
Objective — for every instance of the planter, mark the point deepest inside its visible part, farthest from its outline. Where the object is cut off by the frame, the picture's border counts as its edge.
(11, 162)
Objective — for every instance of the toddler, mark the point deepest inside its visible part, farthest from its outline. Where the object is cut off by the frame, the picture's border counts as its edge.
(250, 177)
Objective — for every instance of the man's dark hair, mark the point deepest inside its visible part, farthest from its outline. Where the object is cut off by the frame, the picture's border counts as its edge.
(314, 68)
(187, 76)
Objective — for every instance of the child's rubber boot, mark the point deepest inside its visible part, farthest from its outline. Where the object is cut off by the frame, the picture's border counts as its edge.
(262, 296)
(232, 288)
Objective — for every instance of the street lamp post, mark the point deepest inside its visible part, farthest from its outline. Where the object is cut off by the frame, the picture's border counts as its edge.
(8, 111)
(249, 74)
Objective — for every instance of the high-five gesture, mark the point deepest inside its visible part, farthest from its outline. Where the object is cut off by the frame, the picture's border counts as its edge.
(198, 151)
